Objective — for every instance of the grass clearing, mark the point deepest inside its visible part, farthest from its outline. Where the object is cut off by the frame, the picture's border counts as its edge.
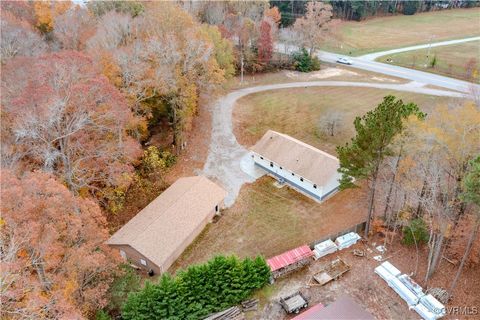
(297, 112)
(267, 221)
(357, 38)
(460, 61)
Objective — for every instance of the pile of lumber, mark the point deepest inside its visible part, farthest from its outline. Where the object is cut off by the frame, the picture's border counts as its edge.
(233, 313)
(250, 305)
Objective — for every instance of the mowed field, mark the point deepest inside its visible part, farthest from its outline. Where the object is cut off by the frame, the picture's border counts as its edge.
(461, 61)
(297, 112)
(385, 33)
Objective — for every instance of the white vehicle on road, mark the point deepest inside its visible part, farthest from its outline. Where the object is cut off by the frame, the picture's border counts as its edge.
(344, 60)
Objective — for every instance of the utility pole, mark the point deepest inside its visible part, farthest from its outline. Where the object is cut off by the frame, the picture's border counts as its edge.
(241, 69)
(428, 51)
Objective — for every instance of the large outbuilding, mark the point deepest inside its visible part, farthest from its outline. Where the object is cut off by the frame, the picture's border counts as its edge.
(160, 232)
(305, 168)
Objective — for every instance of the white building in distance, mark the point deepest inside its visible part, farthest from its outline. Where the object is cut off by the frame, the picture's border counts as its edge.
(307, 169)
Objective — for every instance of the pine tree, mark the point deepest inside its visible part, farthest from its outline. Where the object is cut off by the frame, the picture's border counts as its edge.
(362, 157)
(199, 290)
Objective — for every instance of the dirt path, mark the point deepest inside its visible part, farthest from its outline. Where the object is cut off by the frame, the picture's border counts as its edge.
(227, 161)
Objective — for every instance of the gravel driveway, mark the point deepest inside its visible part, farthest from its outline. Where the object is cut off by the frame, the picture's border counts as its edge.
(228, 161)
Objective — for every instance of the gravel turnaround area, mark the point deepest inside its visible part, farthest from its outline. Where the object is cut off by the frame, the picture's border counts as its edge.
(224, 160)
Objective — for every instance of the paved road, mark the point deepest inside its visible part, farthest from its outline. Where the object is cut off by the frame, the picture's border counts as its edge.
(375, 55)
(396, 71)
(228, 161)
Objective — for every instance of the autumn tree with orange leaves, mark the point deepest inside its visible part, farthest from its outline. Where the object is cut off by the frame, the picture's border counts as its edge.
(47, 11)
(67, 119)
(265, 42)
(54, 263)
(165, 60)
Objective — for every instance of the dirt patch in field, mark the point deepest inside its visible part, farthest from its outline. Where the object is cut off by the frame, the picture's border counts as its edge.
(328, 71)
(321, 74)
(383, 79)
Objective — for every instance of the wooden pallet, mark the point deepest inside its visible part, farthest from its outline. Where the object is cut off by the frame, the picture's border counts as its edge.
(332, 271)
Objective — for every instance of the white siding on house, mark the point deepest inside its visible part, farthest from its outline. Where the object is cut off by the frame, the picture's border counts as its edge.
(294, 180)
(306, 168)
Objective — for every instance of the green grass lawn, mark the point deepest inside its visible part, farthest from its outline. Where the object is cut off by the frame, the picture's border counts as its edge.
(297, 112)
(399, 31)
(459, 61)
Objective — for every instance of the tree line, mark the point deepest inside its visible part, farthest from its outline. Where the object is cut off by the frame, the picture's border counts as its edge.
(360, 10)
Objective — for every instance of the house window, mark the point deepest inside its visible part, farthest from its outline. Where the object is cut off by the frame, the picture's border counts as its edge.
(216, 208)
(123, 254)
(315, 186)
(261, 158)
(271, 164)
(293, 174)
(301, 179)
(143, 262)
(281, 168)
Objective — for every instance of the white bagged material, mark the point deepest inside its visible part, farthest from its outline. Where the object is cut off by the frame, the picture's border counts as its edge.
(412, 285)
(433, 305)
(383, 273)
(390, 268)
(426, 306)
(424, 312)
(347, 240)
(324, 248)
(410, 298)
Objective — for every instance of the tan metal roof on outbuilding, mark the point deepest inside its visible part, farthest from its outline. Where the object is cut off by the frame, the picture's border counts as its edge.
(310, 163)
(164, 224)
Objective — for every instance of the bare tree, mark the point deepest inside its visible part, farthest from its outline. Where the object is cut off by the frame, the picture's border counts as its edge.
(72, 28)
(331, 123)
(18, 39)
(114, 30)
(310, 29)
